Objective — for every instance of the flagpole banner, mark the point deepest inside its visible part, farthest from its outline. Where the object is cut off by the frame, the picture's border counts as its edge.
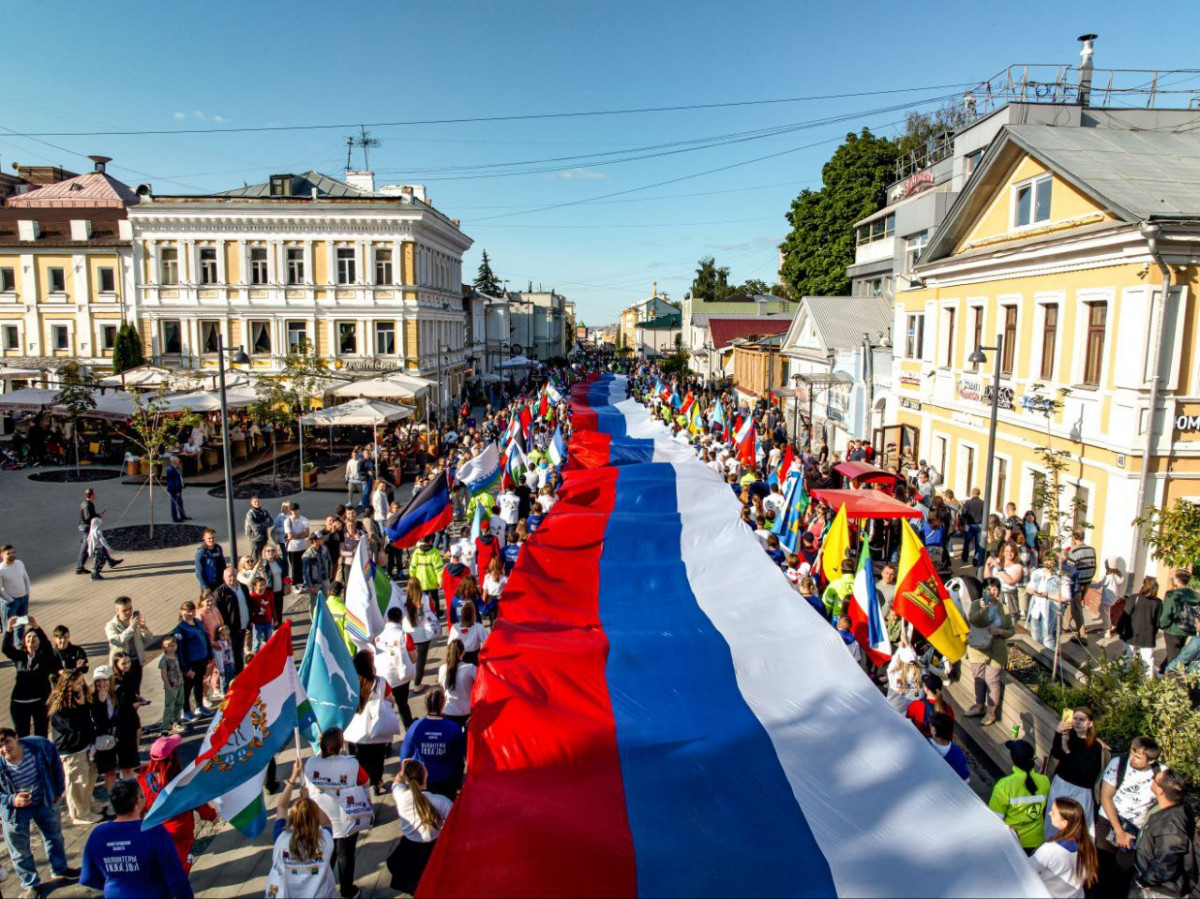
(655, 685)
(482, 471)
(428, 512)
(258, 717)
(328, 676)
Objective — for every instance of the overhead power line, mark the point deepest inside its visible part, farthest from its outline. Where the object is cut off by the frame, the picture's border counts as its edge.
(514, 117)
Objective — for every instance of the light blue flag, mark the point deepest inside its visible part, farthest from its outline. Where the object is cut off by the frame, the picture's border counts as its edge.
(476, 522)
(558, 449)
(327, 675)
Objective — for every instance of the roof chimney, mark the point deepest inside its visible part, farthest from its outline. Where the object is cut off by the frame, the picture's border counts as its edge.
(100, 161)
(1085, 69)
(364, 181)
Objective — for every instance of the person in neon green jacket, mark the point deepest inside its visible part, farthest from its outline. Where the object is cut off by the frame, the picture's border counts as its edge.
(426, 569)
(1020, 798)
(837, 594)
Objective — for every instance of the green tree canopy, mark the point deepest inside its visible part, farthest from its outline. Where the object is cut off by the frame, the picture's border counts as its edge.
(486, 280)
(711, 283)
(821, 243)
(127, 349)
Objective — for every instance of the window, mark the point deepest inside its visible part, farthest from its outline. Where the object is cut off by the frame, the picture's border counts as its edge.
(1009, 350)
(385, 338)
(260, 338)
(108, 337)
(171, 333)
(914, 336)
(347, 338)
(12, 337)
(941, 446)
(1049, 338)
(1001, 496)
(210, 336)
(383, 266)
(108, 280)
(58, 280)
(60, 336)
(1041, 487)
(949, 347)
(258, 265)
(969, 470)
(297, 337)
(1094, 354)
(208, 265)
(884, 226)
(1079, 507)
(977, 333)
(346, 273)
(913, 247)
(295, 265)
(168, 265)
(8, 279)
(971, 161)
(1033, 202)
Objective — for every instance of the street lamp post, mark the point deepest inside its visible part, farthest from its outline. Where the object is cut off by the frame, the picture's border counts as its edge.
(978, 358)
(238, 357)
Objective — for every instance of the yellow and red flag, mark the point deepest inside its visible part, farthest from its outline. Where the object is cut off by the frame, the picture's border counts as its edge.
(923, 601)
(835, 546)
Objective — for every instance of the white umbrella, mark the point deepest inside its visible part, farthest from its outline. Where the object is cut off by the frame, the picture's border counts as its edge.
(488, 378)
(210, 400)
(29, 399)
(517, 362)
(114, 404)
(379, 389)
(149, 377)
(357, 412)
(20, 374)
(418, 384)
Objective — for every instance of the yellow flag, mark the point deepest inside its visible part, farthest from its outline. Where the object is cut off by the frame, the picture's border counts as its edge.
(922, 600)
(836, 545)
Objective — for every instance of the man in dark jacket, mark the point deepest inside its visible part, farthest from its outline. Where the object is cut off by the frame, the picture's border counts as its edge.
(175, 490)
(210, 561)
(972, 520)
(87, 511)
(1166, 846)
(258, 526)
(31, 789)
(234, 605)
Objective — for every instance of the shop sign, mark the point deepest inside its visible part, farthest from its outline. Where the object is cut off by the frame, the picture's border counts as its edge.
(917, 183)
(910, 381)
(1032, 402)
(1188, 424)
(967, 389)
(906, 403)
(1006, 397)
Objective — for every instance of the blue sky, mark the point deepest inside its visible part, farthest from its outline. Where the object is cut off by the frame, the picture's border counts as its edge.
(122, 66)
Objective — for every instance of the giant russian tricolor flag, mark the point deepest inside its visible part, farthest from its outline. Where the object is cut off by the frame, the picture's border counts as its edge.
(656, 715)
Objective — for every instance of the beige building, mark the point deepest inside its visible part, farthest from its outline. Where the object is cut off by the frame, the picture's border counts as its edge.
(371, 279)
(65, 269)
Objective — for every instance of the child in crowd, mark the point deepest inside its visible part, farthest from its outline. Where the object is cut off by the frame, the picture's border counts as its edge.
(172, 678)
(808, 592)
(70, 656)
(777, 555)
(223, 656)
(262, 611)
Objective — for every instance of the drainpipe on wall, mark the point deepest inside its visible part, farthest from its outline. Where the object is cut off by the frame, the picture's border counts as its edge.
(1151, 231)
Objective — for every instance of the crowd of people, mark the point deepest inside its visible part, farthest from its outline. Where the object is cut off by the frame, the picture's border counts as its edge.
(1097, 826)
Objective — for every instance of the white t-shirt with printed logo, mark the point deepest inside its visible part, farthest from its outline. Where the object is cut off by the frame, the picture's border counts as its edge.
(1134, 798)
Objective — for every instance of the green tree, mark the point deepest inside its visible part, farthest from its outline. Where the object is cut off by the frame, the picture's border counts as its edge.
(153, 429)
(282, 400)
(486, 280)
(821, 243)
(77, 395)
(925, 131)
(1173, 534)
(711, 283)
(127, 349)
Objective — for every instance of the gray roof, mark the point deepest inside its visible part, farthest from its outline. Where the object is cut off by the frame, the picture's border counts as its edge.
(700, 319)
(841, 322)
(302, 186)
(1136, 173)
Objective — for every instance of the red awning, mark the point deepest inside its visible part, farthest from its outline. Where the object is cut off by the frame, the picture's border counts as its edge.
(866, 503)
(865, 473)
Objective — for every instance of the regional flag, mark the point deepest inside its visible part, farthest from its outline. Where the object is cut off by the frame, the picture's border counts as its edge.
(686, 405)
(364, 619)
(543, 405)
(557, 449)
(748, 448)
(481, 472)
(922, 600)
(864, 612)
(795, 503)
(256, 719)
(835, 546)
(327, 675)
(553, 394)
(426, 513)
(526, 419)
(718, 418)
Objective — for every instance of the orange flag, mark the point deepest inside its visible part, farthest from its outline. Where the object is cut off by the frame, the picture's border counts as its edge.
(922, 599)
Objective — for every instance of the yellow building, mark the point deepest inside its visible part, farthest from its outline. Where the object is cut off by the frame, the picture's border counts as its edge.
(65, 270)
(371, 279)
(1053, 253)
(631, 316)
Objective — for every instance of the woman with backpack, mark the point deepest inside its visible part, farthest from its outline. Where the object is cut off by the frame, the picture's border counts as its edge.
(1138, 626)
(921, 711)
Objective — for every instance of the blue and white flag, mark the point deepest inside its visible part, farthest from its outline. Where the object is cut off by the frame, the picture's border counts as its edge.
(558, 448)
(327, 675)
(481, 472)
(477, 521)
(552, 393)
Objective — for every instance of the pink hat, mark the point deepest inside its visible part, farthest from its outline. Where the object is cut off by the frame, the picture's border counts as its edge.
(163, 747)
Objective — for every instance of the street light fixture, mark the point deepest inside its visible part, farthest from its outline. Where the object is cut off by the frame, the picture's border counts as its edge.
(237, 356)
(978, 358)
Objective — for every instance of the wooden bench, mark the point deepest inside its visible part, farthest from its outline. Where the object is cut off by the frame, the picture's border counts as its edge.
(1019, 706)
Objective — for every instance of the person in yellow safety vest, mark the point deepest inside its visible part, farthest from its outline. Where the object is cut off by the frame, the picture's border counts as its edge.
(426, 567)
(838, 592)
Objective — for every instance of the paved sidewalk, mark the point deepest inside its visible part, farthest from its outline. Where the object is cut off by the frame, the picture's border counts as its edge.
(39, 519)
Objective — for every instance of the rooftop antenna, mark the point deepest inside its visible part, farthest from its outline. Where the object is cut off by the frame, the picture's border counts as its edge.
(364, 142)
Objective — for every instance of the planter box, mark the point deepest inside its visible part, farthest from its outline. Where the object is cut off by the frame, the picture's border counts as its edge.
(310, 479)
(1019, 705)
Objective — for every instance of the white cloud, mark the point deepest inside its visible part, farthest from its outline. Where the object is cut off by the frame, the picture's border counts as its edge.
(197, 114)
(218, 118)
(582, 174)
(179, 116)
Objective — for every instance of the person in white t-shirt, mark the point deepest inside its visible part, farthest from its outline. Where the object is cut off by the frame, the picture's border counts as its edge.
(466, 548)
(774, 500)
(394, 663)
(1125, 803)
(470, 631)
(456, 678)
(302, 860)
(499, 528)
(510, 505)
(422, 815)
(546, 499)
(1067, 863)
(295, 531)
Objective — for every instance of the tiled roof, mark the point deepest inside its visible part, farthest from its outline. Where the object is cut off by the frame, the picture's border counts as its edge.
(726, 329)
(92, 189)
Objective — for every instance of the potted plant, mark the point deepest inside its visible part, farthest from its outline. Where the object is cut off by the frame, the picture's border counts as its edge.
(310, 475)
